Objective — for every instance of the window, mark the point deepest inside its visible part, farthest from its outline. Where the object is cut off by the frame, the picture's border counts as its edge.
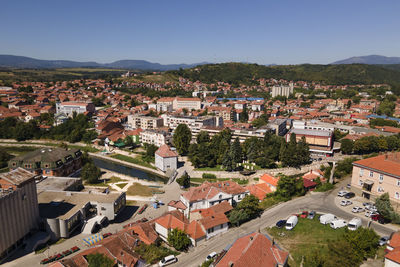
(361, 172)
(397, 195)
(371, 174)
(380, 189)
(398, 182)
(381, 177)
(360, 182)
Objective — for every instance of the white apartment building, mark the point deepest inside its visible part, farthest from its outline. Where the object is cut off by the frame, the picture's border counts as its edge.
(153, 137)
(194, 123)
(187, 103)
(137, 121)
(68, 108)
(282, 90)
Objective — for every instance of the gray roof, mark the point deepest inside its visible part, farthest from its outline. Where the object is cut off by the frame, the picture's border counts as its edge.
(17, 176)
(311, 132)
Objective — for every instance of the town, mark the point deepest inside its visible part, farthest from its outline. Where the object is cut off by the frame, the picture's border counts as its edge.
(98, 170)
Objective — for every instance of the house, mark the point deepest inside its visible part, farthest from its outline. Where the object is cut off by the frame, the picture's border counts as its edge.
(209, 194)
(260, 190)
(68, 108)
(375, 176)
(270, 180)
(253, 250)
(392, 257)
(166, 158)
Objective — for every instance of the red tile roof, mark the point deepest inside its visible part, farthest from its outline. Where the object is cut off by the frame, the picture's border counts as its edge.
(269, 179)
(209, 190)
(388, 163)
(259, 190)
(166, 152)
(394, 255)
(253, 250)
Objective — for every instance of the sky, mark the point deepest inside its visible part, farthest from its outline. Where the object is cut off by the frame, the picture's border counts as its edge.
(189, 31)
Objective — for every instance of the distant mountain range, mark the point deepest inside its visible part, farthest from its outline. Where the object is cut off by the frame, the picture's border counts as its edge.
(371, 60)
(10, 61)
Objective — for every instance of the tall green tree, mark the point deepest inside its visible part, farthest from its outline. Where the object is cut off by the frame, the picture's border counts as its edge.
(90, 173)
(179, 239)
(181, 138)
(346, 146)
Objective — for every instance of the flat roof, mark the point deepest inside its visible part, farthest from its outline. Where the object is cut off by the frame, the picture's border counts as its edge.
(64, 204)
(56, 183)
(17, 176)
(311, 132)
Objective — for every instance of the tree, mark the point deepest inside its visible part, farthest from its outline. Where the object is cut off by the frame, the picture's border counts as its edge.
(181, 138)
(90, 173)
(178, 239)
(346, 146)
(385, 208)
(4, 158)
(250, 205)
(99, 260)
(364, 242)
(184, 180)
(89, 136)
(289, 187)
(150, 152)
(236, 217)
(244, 115)
(233, 156)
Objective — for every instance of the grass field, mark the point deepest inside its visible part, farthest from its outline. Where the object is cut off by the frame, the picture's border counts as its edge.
(122, 185)
(307, 236)
(114, 179)
(136, 160)
(141, 190)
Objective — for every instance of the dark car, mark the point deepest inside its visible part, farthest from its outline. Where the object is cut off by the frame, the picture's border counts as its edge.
(379, 218)
(281, 223)
(349, 195)
(311, 215)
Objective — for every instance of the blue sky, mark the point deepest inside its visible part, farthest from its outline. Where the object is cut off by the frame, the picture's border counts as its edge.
(189, 31)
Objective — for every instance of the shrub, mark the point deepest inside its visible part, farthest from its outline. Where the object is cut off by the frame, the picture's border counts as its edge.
(209, 176)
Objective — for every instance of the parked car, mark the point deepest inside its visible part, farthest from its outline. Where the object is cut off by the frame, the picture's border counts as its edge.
(349, 195)
(366, 204)
(168, 260)
(335, 224)
(357, 209)
(291, 222)
(143, 208)
(304, 214)
(342, 193)
(345, 202)
(311, 215)
(281, 223)
(348, 186)
(327, 218)
(354, 224)
(212, 255)
(379, 218)
(383, 240)
(369, 213)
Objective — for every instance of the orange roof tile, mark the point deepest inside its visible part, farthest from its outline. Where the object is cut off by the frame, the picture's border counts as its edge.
(388, 163)
(269, 179)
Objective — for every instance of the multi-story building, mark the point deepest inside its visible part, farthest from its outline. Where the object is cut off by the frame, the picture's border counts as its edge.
(68, 108)
(164, 104)
(144, 122)
(187, 103)
(227, 113)
(320, 142)
(154, 137)
(282, 90)
(49, 161)
(375, 176)
(194, 123)
(19, 212)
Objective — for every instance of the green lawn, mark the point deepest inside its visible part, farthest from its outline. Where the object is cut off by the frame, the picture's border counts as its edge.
(142, 190)
(137, 160)
(114, 179)
(202, 180)
(122, 185)
(307, 236)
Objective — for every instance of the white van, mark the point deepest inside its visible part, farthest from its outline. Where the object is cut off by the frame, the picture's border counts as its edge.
(327, 218)
(354, 224)
(335, 224)
(291, 222)
(168, 260)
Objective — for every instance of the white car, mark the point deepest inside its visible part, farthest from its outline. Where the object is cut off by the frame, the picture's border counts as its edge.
(212, 255)
(168, 260)
(345, 202)
(370, 213)
(342, 193)
(357, 209)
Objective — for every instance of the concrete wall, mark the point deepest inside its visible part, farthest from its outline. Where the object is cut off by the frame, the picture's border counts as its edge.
(219, 229)
(163, 232)
(389, 263)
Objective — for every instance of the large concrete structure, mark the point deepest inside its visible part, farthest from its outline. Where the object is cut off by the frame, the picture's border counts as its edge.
(282, 90)
(144, 122)
(19, 212)
(320, 142)
(375, 176)
(187, 103)
(68, 108)
(194, 123)
(154, 137)
(49, 161)
(66, 211)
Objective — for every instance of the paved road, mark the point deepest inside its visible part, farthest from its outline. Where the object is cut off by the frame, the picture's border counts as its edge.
(320, 202)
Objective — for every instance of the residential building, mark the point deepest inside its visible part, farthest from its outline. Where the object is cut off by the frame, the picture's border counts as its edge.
(186, 103)
(49, 161)
(269, 180)
(254, 250)
(209, 194)
(154, 137)
(166, 158)
(144, 122)
(282, 90)
(375, 176)
(165, 104)
(66, 211)
(68, 108)
(19, 212)
(194, 123)
(392, 257)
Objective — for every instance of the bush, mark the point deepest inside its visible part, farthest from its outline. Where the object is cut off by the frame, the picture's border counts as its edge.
(324, 187)
(153, 253)
(209, 176)
(178, 239)
(184, 180)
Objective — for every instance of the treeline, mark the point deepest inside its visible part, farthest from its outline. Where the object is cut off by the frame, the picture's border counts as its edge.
(240, 73)
(73, 130)
(370, 144)
(220, 150)
(383, 122)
